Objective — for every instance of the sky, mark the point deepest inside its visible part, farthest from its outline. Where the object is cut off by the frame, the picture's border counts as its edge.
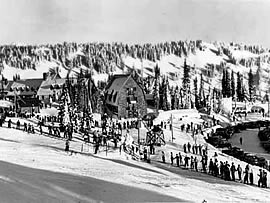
(134, 21)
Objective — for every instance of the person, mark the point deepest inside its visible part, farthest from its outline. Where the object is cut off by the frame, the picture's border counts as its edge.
(40, 128)
(241, 140)
(221, 165)
(163, 157)
(196, 164)
(264, 180)
(227, 171)
(260, 178)
(233, 171)
(172, 158)
(177, 160)
(29, 128)
(25, 127)
(191, 162)
(9, 123)
(246, 174)
(18, 125)
(189, 146)
(32, 129)
(211, 166)
(185, 148)
(251, 177)
(186, 161)
(216, 171)
(145, 154)
(180, 158)
(67, 145)
(239, 170)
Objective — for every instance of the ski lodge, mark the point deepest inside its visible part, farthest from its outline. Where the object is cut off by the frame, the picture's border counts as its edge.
(125, 98)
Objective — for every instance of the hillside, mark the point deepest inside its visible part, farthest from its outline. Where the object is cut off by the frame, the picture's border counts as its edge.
(208, 59)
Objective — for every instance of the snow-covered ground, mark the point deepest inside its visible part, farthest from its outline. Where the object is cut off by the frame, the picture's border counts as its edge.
(170, 65)
(38, 151)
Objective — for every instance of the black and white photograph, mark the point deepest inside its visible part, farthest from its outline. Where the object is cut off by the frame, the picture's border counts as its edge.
(134, 101)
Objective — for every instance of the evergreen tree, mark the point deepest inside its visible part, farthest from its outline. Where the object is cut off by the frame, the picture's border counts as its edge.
(186, 79)
(232, 84)
(186, 85)
(256, 79)
(239, 88)
(202, 99)
(223, 83)
(250, 85)
(197, 97)
(228, 84)
(156, 88)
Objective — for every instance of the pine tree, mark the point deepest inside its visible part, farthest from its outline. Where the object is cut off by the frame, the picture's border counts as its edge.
(186, 85)
(232, 84)
(186, 79)
(250, 85)
(156, 88)
(223, 83)
(197, 97)
(202, 94)
(256, 79)
(239, 88)
(228, 84)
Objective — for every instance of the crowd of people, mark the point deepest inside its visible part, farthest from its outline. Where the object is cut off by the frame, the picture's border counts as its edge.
(200, 162)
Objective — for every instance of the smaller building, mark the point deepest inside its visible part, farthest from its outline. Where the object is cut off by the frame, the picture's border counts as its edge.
(124, 97)
(50, 89)
(24, 95)
(23, 88)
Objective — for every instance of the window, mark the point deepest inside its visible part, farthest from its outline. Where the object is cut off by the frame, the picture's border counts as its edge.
(131, 91)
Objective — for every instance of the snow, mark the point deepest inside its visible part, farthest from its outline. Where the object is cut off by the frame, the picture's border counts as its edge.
(34, 150)
(242, 54)
(49, 112)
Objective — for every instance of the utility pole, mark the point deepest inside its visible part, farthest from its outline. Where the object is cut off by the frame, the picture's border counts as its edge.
(139, 126)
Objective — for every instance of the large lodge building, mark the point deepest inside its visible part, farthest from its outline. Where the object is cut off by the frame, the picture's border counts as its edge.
(125, 98)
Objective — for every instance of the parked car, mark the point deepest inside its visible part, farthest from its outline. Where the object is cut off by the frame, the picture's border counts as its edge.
(262, 162)
(218, 142)
(235, 152)
(264, 134)
(251, 158)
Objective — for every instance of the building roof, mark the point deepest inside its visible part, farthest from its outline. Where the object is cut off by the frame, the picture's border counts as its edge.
(28, 102)
(45, 87)
(23, 87)
(115, 85)
(117, 82)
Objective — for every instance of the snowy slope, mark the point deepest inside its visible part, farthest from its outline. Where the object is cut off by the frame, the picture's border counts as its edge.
(170, 65)
(36, 151)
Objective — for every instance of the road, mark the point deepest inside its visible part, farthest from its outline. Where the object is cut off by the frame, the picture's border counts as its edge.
(251, 142)
(23, 184)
